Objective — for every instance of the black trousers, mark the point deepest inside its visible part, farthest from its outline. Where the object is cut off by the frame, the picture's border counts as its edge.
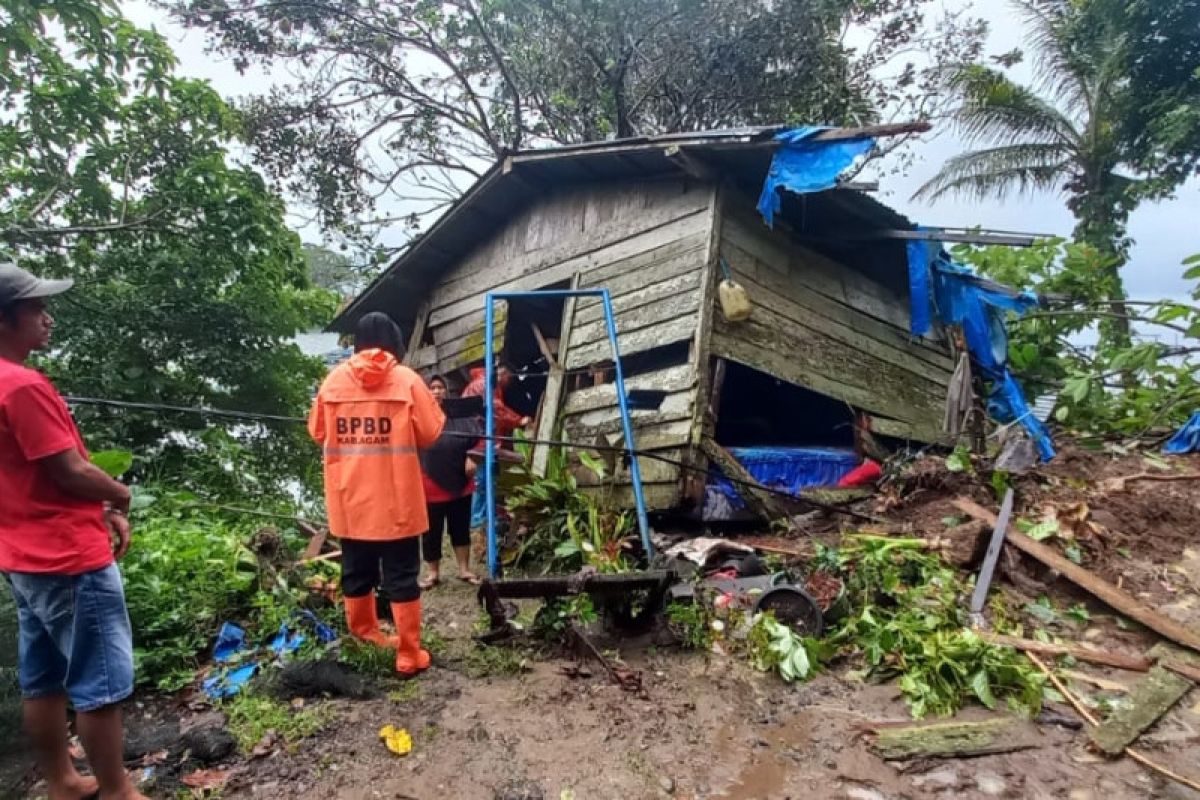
(453, 516)
(392, 566)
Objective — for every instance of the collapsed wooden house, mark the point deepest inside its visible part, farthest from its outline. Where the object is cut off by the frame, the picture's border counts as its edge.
(659, 221)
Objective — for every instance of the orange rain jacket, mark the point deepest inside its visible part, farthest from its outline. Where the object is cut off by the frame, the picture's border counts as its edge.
(371, 417)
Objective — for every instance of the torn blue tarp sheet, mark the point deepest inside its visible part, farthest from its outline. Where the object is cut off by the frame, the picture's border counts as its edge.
(801, 166)
(235, 659)
(289, 640)
(787, 469)
(979, 307)
(920, 297)
(1186, 439)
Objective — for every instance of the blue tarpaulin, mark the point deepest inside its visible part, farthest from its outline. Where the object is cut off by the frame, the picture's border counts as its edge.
(963, 299)
(234, 657)
(787, 469)
(1186, 439)
(801, 166)
(919, 294)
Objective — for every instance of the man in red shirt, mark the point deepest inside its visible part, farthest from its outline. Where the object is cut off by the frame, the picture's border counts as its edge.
(59, 515)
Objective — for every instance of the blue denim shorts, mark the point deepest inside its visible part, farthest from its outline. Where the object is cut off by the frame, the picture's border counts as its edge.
(75, 637)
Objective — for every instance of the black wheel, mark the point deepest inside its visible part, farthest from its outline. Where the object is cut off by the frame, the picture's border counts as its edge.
(793, 607)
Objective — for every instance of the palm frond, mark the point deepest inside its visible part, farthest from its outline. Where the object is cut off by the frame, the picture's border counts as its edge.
(1000, 111)
(998, 171)
(1062, 71)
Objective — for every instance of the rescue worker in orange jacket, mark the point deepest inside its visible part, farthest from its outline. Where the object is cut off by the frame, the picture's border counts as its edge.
(371, 417)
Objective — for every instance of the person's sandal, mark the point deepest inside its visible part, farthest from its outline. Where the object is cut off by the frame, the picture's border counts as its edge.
(428, 582)
(471, 578)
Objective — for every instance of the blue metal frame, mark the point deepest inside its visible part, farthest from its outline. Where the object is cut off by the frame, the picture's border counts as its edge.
(489, 361)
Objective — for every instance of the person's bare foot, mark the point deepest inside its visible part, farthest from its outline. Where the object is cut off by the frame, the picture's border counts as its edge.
(75, 787)
(129, 793)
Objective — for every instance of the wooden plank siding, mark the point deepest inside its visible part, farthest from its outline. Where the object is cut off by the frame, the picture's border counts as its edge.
(830, 329)
(612, 235)
(646, 242)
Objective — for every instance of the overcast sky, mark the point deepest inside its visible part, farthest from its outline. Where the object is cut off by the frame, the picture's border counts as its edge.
(1164, 232)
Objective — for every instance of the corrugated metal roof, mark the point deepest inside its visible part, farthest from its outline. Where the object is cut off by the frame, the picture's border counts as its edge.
(741, 154)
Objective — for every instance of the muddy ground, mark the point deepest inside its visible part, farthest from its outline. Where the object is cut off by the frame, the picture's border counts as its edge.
(711, 727)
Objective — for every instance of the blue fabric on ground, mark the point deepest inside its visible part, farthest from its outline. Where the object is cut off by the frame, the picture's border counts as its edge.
(787, 469)
(803, 166)
(231, 640)
(1186, 439)
(227, 683)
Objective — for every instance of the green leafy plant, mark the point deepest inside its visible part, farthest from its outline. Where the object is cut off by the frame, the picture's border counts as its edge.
(960, 459)
(692, 624)
(907, 622)
(775, 646)
(252, 716)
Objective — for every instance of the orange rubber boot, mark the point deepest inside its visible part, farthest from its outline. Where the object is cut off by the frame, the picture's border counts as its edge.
(363, 621)
(410, 658)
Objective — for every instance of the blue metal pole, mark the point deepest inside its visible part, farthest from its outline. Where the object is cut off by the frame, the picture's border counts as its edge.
(489, 461)
(635, 471)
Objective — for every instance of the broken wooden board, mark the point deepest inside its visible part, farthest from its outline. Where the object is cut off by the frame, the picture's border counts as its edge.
(756, 496)
(1152, 697)
(954, 739)
(1102, 657)
(1090, 582)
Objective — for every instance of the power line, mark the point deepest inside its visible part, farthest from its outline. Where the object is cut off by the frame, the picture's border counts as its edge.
(249, 416)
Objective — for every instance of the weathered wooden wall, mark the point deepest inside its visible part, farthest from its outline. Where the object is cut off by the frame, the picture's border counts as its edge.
(828, 328)
(648, 244)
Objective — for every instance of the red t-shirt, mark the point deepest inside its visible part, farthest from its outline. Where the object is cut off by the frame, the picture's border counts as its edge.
(436, 494)
(42, 528)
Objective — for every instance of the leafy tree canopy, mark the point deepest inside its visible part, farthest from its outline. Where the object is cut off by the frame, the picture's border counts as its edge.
(189, 284)
(1113, 120)
(411, 99)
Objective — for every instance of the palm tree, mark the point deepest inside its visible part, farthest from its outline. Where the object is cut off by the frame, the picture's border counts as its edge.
(1067, 133)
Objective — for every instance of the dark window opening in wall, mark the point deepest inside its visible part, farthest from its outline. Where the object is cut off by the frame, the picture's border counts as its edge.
(647, 361)
(787, 437)
(532, 332)
(759, 410)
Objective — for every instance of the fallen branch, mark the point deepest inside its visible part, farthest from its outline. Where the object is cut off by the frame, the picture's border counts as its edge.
(1084, 579)
(1104, 658)
(322, 557)
(1097, 681)
(1185, 670)
(1091, 720)
(1118, 484)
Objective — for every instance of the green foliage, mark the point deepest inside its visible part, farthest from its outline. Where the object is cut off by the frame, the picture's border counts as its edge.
(251, 717)
(115, 463)
(960, 459)
(556, 616)
(692, 624)
(1090, 128)
(190, 284)
(1110, 387)
(511, 75)
(775, 646)
(495, 662)
(908, 622)
(368, 659)
(188, 571)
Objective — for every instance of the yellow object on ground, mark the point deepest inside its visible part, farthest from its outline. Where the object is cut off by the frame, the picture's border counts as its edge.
(396, 739)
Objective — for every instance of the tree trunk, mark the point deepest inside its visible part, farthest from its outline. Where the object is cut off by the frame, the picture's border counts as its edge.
(1100, 222)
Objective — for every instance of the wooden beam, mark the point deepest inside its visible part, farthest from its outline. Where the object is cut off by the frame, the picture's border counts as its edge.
(954, 739)
(1152, 697)
(965, 237)
(1105, 658)
(552, 397)
(756, 496)
(873, 131)
(543, 347)
(692, 165)
(420, 322)
(1084, 579)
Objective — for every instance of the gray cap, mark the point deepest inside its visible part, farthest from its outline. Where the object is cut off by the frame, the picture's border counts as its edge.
(17, 284)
